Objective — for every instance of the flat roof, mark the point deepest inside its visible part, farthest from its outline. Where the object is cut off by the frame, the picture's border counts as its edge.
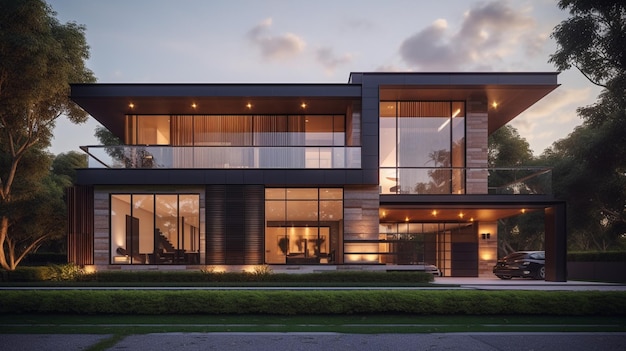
(512, 93)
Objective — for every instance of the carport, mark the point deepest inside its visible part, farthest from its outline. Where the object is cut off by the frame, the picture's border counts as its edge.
(484, 211)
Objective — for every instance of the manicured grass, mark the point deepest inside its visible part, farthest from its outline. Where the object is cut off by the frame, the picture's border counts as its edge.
(366, 324)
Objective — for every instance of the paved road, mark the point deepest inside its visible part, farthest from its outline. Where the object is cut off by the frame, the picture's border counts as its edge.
(325, 341)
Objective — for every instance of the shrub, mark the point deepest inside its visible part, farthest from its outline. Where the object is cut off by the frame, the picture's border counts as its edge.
(597, 256)
(415, 302)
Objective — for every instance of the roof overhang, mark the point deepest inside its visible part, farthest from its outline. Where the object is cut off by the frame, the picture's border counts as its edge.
(512, 93)
(505, 95)
(110, 103)
(459, 208)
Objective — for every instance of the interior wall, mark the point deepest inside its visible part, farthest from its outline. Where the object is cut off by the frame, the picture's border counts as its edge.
(487, 248)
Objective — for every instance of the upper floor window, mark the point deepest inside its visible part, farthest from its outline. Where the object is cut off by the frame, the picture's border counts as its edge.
(422, 147)
(236, 130)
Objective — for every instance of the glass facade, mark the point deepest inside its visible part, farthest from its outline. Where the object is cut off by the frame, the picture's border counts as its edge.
(155, 229)
(233, 141)
(236, 130)
(303, 225)
(422, 147)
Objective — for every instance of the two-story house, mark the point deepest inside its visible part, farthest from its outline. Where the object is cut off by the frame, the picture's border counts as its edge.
(386, 171)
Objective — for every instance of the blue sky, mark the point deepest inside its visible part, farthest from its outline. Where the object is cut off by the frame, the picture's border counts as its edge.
(293, 41)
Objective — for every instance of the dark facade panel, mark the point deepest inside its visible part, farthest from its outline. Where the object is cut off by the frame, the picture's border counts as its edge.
(125, 91)
(235, 224)
(270, 177)
(80, 225)
(464, 261)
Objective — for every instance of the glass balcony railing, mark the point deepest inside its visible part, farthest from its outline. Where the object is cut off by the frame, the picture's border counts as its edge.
(454, 180)
(223, 157)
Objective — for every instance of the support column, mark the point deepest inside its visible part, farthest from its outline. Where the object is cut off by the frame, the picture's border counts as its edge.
(476, 158)
(556, 243)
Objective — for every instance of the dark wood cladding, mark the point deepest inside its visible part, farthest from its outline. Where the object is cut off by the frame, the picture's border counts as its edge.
(235, 217)
(80, 224)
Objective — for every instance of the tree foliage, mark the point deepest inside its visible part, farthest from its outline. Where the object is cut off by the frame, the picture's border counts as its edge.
(508, 149)
(590, 163)
(39, 58)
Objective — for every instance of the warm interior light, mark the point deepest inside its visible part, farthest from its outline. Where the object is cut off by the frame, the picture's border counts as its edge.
(461, 215)
(434, 213)
(131, 105)
(303, 105)
(523, 210)
(249, 105)
(494, 104)
(406, 219)
(194, 105)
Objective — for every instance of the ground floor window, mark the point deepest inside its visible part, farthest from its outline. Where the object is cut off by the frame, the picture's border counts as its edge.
(155, 229)
(303, 225)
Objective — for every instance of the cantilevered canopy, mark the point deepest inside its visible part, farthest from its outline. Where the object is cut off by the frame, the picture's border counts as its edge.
(110, 103)
(454, 208)
(505, 95)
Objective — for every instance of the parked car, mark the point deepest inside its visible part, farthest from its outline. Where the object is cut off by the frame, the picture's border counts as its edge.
(431, 268)
(524, 264)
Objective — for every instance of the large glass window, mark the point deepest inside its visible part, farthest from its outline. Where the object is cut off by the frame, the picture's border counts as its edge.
(303, 225)
(236, 130)
(422, 147)
(155, 229)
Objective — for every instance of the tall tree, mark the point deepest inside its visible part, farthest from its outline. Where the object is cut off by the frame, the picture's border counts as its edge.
(508, 150)
(590, 164)
(39, 58)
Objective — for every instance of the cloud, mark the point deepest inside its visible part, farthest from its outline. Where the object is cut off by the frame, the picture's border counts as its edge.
(391, 68)
(542, 123)
(488, 33)
(360, 24)
(275, 46)
(327, 58)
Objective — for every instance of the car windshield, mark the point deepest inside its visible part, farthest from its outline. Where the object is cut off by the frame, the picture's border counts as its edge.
(514, 256)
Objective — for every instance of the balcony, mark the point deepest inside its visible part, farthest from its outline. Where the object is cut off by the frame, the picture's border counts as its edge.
(223, 157)
(454, 180)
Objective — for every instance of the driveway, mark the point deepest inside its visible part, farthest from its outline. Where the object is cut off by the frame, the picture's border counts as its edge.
(494, 283)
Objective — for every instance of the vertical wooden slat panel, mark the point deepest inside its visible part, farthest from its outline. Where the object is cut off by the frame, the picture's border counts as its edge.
(235, 224)
(80, 220)
(215, 227)
(254, 207)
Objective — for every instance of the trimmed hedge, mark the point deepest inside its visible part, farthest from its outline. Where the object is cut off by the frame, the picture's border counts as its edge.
(417, 302)
(597, 256)
(70, 273)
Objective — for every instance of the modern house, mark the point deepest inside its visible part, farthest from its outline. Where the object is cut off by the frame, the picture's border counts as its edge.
(387, 171)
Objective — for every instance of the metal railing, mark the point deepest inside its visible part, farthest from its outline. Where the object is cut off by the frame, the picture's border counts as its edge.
(223, 157)
(460, 180)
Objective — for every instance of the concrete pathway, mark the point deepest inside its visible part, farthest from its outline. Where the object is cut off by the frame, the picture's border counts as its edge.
(489, 283)
(325, 341)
